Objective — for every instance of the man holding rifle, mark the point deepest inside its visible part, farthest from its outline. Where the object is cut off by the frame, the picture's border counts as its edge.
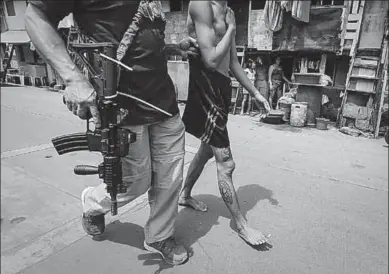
(155, 161)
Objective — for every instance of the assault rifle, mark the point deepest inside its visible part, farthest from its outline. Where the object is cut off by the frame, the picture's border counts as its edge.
(110, 139)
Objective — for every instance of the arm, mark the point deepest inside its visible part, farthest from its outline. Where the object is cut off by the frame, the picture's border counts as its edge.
(132, 31)
(41, 19)
(284, 78)
(241, 76)
(202, 17)
(270, 72)
(49, 44)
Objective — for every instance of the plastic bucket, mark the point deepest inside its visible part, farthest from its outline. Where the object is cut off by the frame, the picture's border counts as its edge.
(298, 115)
(322, 123)
(286, 109)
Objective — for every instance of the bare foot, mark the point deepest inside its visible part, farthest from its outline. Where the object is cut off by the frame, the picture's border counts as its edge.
(253, 236)
(193, 203)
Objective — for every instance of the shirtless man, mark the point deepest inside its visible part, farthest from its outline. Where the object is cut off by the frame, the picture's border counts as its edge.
(212, 24)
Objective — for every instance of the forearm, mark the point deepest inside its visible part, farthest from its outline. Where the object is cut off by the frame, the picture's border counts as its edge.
(50, 45)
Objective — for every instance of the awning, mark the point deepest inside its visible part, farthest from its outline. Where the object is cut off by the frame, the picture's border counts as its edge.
(15, 37)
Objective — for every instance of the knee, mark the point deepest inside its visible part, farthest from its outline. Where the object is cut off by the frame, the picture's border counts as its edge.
(226, 168)
(206, 155)
(137, 185)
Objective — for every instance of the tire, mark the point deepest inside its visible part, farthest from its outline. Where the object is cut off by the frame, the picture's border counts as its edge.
(387, 136)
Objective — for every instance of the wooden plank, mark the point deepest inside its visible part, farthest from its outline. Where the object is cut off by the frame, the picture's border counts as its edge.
(355, 7)
(363, 71)
(360, 91)
(384, 87)
(354, 17)
(343, 26)
(366, 66)
(361, 84)
(364, 61)
(364, 77)
(351, 36)
(377, 125)
(352, 26)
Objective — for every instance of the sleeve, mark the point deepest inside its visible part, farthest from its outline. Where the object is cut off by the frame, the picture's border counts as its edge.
(55, 10)
(132, 31)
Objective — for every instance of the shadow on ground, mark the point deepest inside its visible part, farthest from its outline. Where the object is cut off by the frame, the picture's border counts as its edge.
(133, 235)
(280, 127)
(194, 225)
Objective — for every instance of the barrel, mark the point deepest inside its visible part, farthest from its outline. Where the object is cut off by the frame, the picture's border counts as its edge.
(322, 123)
(298, 115)
(286, 109)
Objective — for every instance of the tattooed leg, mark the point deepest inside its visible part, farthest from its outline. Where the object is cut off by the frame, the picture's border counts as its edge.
(225, 168)
(196, 167)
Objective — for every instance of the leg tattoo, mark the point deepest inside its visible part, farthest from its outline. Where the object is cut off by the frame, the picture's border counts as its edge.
(226, 154)
(226, 192)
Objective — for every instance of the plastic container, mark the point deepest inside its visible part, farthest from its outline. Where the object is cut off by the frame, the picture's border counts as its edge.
(298, 115)
(286, 109)
(322, 123)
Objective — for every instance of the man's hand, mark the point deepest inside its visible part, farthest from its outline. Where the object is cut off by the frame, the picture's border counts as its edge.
(189, 47)
(80, 98)
(230, 18)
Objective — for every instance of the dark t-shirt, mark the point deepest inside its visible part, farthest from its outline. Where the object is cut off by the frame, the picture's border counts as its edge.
(107, 21)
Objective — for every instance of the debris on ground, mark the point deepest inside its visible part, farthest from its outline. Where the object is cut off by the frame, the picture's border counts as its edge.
(355, 132)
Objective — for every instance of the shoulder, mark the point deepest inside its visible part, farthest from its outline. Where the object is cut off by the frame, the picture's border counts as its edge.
(54, 10)
(200, 9)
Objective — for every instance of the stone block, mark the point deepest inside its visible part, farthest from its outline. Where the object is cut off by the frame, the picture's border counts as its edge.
(363, 124)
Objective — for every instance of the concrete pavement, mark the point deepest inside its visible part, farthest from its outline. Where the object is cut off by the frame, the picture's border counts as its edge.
(321, 194)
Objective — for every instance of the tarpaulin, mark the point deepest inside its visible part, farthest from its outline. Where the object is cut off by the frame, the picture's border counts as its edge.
(322, 33)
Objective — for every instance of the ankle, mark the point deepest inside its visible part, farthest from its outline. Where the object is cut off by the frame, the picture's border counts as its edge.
(241, 225)
(185, 194)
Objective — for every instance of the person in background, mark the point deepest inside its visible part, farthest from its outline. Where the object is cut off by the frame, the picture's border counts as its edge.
(261, 78)
(276, 78)
(250, 71)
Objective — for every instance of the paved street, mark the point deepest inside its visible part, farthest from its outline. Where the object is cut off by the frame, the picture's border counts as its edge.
(321, 194)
